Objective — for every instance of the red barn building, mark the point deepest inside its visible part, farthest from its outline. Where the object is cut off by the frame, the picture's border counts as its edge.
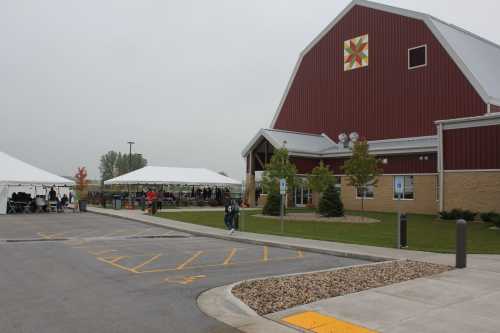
(424, 93)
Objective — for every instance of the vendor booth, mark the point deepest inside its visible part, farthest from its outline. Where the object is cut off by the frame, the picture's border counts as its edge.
(17, 176)
(178, 186)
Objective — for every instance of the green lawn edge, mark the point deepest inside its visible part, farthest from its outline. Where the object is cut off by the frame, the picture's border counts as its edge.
(425, 232)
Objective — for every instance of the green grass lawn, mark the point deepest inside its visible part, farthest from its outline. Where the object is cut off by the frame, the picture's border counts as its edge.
(425, 232)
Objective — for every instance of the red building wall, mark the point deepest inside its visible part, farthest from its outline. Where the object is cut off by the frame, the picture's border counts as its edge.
(495, 108)
(396, 164)
(385, 99)
(472, 148)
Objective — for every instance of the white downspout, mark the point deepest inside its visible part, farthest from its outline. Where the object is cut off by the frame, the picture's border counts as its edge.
(440, 167)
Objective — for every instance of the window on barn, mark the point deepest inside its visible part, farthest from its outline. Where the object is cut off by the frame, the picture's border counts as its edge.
(417, 57)
(403, 187)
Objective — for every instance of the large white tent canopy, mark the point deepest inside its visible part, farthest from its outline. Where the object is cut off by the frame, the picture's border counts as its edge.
(16, 174)
(154, 175)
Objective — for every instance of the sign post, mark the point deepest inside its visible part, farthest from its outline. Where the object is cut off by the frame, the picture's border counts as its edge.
(399, 192)
(282, 203)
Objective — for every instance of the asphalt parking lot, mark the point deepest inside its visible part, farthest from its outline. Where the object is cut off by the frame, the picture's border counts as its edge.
(90, 273)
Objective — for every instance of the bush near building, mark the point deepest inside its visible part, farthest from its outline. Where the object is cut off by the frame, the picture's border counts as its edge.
(272, 206)
(457, 214)
(330, 204)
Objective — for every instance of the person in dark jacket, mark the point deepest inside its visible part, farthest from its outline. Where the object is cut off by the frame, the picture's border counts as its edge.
(228, 216)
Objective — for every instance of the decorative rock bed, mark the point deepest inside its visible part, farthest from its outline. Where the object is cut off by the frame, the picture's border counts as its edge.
(275, 294)
(319, 218)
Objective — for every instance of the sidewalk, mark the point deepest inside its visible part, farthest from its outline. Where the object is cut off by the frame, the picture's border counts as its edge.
(465, 300)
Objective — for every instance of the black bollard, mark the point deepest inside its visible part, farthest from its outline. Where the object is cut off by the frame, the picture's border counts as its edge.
(461, 245)
(403, 230)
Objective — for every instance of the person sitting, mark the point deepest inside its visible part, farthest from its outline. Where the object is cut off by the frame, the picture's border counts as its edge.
(64, 200)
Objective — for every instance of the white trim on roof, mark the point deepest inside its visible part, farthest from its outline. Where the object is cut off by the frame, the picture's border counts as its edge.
(411, 145)
(488, 119)
(426, 18)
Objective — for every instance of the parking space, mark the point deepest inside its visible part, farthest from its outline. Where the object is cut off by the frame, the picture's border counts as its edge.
(95, 272)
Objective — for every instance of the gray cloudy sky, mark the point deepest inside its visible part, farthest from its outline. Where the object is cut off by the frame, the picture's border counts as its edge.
(190, 81)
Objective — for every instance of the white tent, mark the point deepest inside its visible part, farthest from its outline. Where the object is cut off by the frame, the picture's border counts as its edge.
(16, 174)
(152, 175)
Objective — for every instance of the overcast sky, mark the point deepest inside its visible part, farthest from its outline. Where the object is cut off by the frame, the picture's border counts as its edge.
(190, 81)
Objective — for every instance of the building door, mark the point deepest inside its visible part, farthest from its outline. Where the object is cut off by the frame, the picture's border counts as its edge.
(301, 196)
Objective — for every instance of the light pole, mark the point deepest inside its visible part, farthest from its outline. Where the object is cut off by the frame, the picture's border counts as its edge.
(130, 143)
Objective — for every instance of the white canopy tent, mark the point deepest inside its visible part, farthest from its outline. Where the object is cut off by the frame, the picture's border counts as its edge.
(16, 175)
(153, 175)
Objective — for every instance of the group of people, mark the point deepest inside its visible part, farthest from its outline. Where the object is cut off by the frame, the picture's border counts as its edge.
(232, 215)
(23, 202)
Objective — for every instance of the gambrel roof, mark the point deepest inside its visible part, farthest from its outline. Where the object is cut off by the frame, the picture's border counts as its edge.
(476, 57)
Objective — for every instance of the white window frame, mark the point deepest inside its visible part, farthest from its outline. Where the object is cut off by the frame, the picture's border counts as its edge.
(413, 48)
(394, 189)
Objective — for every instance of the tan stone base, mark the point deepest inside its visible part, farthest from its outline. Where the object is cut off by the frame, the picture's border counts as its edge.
(424, 201)
(249, 197)
(478, 191)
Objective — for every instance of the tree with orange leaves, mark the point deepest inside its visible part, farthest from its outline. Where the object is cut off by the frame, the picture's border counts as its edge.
(81, 182)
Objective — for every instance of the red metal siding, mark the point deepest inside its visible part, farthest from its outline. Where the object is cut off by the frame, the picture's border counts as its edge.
(304, 165)
(396, 164)
(385, 99)
(472, 148)
(495, 108)
(410, 164)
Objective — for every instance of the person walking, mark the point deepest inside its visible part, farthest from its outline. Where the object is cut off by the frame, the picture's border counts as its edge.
(236, 214)
(228, 216)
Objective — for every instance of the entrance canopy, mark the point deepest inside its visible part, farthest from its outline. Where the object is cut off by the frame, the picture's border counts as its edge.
(153, 175)
(17, 174)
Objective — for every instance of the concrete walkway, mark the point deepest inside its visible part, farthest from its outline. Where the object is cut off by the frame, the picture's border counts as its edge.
(465, 300)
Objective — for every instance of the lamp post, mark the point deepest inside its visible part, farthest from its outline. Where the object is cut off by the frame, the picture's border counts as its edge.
(130, 143)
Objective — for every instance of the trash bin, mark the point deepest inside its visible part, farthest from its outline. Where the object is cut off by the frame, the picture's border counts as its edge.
(117, 202)
(403, 231)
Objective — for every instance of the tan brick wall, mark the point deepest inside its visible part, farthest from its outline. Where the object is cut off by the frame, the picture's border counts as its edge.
(424, 191)
(476, 190)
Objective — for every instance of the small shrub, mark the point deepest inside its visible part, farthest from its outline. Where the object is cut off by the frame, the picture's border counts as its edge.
(330, 204)
(489, 216)
(456, 214)
(272, 206)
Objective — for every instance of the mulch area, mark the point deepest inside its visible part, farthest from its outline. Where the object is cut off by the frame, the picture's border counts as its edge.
(281, 293)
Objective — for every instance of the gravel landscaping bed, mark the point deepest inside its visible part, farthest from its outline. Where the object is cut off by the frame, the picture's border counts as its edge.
(275, 294)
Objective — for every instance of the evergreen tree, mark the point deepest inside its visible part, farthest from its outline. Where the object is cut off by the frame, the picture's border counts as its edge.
(330, 204)
(272, 206)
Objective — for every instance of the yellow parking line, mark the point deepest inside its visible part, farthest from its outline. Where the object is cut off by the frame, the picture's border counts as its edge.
(114, 264)
(146, 262)
(265, 255)
(52, 236)
(187, 262)
(163, 270)
(230, 256)
(300, 254)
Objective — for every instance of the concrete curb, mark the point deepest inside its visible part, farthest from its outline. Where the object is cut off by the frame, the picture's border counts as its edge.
(239, 237)
(221, 304)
